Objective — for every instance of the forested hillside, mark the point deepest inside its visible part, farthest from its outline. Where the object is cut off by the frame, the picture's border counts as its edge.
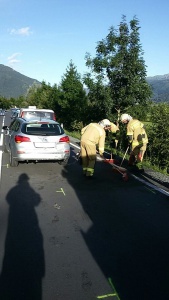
(160, 87)
(13, 84)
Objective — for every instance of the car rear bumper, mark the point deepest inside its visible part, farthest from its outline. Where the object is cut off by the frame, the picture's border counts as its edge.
(37, 157)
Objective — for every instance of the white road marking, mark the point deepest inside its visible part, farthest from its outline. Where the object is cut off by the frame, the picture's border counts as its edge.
(0, 163)
(1, 140)
(1, 143)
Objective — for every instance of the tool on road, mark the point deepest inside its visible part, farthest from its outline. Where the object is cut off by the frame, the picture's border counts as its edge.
(111, 159)
(124, 155)
(118, 169)
(121, 170)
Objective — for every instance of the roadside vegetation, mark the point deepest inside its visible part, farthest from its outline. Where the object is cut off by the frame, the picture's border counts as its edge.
(115, 84)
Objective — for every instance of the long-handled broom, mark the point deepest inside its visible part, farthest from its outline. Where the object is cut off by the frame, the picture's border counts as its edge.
(124, 156)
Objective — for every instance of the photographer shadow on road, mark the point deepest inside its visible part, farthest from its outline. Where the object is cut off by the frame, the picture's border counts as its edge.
(23, 264)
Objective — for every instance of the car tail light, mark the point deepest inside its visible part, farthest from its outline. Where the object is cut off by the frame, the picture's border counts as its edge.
(64, 139)
(21, 139)
(54, 117)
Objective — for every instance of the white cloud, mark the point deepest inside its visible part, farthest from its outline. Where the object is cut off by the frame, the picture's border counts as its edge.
(24, 31)
(13, 59)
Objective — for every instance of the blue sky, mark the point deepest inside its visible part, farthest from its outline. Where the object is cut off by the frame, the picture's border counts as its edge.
(38, 38)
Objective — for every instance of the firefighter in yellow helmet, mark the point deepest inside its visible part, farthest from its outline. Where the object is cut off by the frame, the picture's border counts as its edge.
(137, 138)
(91, 136)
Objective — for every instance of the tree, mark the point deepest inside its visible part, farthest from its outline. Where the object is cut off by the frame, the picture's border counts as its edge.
(99, 99)
(73, 97)
(54, 101)
(4, 102)
(159, 135)
(119, 62)
(39, 95)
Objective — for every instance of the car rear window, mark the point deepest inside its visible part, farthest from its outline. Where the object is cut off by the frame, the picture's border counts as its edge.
(42, 129)
(38, 115)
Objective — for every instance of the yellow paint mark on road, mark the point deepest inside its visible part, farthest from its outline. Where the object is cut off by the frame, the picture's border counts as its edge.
(150, 190)
(61, 191)
(7, 165)
(106, 296)
(111, 283)
(110, 295)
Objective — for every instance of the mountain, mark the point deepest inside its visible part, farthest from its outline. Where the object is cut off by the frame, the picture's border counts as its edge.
(160, 87)
(13, 84)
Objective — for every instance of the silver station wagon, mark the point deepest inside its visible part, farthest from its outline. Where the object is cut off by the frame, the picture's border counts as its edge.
(33, 141)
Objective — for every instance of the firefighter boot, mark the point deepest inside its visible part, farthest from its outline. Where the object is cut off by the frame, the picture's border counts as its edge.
(131, 163)
(89, 172)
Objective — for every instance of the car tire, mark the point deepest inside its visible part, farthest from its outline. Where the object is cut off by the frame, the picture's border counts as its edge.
(5, 149)
(13, 161)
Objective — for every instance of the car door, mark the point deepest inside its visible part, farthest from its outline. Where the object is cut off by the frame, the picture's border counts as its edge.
(9, 133)
(13, 132)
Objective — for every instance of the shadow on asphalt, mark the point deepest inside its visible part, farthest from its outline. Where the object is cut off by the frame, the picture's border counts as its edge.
(23, 263)
(129, 238)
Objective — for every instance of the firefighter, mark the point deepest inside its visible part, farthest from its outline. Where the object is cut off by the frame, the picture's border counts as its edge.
(137, 138)
(114, 137)
(91, 136)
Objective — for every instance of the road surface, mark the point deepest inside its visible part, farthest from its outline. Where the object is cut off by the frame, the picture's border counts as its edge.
(65, 237)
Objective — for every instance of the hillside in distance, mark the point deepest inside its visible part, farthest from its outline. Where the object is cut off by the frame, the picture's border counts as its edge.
(13, 84)
(160, 87)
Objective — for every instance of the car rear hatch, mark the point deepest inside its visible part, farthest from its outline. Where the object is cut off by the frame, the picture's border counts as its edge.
(42, 138)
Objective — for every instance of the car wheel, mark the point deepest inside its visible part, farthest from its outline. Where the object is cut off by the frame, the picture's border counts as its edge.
(13, 161)
(5, 149)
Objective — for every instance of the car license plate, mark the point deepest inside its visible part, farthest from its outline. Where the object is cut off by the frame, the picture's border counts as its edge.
(44, 145)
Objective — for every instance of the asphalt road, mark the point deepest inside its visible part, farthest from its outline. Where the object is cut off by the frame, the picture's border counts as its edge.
(64, 237)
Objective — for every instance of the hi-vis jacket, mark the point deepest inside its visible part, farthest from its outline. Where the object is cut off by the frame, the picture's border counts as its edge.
(136, 133)
(114, 128)
(94, 134)
(115, 131)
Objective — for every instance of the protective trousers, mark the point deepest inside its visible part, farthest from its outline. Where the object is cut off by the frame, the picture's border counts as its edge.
(88, 154)
(137, 155)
